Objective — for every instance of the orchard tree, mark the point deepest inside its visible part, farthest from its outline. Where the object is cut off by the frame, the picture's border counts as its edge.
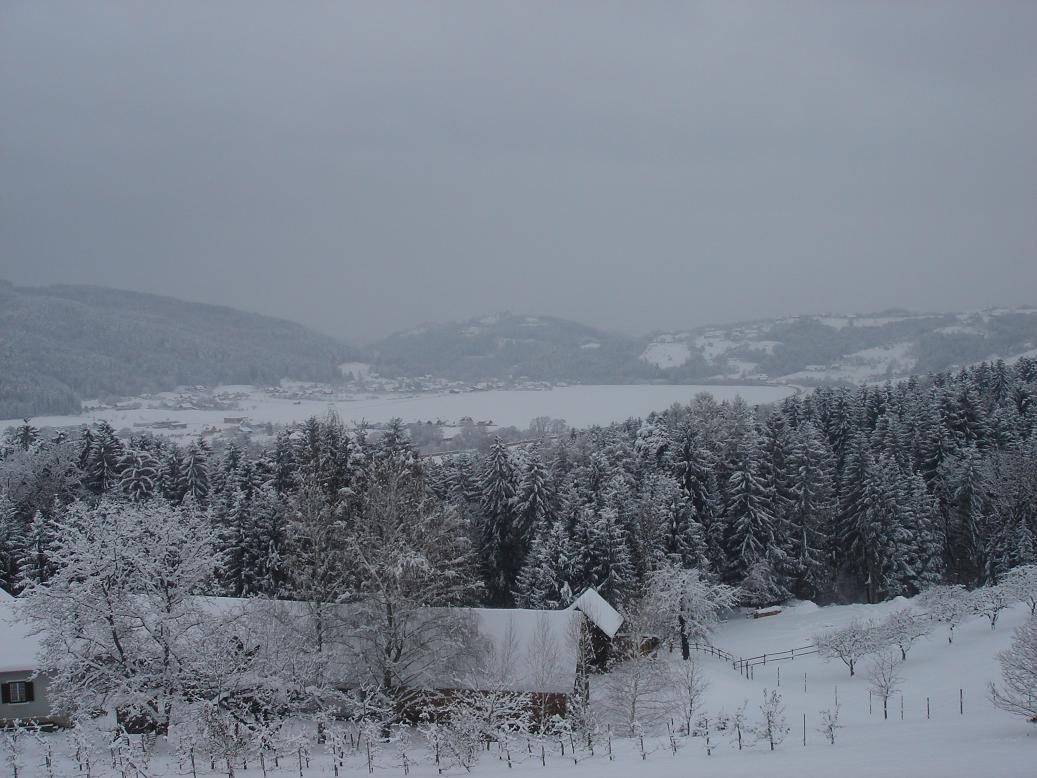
(848, 644)
(903, 627)
(947, 605)
(1018, 693)
(1022, 582)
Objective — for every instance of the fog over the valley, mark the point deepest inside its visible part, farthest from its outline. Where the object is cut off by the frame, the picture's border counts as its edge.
(363, 167)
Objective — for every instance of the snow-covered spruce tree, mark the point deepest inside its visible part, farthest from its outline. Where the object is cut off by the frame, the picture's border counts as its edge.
(683, 605)
(502, 547)
(610, 568)
(811, 511)
(963, 479)
(103, 466)
(927, 540)
(12, 540)
(172, 480)
(859, 525)
(196, 472)
(752, 526)
(405, 553)
(1018, 692)
(36, 563)
(25, 435)
(535, 501)
(138, 475)
(755, 556)
(121, 628)
(694, 469)
(544, 581)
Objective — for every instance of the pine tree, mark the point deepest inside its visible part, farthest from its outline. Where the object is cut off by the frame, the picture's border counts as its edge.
(811, 512)
(196, 473)
(138, 475)
(12, 543)
(612, 573)
(544, 581)
(104, 462)
(502, 550)
(35, 564)
(172, 478)
(751, 539)
(534, 505)
(25, 435)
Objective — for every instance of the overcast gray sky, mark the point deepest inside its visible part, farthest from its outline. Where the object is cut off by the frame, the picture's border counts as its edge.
(362, 167)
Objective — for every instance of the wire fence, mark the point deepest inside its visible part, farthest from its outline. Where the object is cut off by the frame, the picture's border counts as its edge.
(745, 665)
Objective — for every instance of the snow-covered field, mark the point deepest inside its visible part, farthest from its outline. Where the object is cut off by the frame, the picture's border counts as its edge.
(579, 406)
(947, 743)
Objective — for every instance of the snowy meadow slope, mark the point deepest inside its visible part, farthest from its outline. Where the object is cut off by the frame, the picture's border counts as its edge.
(951, 741)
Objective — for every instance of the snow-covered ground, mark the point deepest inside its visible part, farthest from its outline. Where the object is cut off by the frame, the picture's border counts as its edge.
(579, 406)
(666, 354)
(948, 743)
(871, 364)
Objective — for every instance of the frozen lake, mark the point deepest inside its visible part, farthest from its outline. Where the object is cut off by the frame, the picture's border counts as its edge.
(579, 406)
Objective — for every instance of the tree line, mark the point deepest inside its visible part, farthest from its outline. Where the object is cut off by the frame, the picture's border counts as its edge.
(838, 495)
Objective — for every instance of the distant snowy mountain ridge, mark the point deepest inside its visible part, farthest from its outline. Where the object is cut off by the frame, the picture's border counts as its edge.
(802, 350)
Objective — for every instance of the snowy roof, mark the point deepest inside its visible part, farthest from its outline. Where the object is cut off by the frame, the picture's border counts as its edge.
(597, 609)
(521, 650)
(18, 648)
(507, 649)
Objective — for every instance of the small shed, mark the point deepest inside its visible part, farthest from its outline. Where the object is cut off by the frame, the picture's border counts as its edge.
(605, 622)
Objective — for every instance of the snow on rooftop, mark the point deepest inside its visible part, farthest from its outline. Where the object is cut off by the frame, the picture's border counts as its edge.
(599, 611)
(18, 648)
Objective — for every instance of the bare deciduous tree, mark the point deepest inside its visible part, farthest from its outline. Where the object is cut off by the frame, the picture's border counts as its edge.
(884, 678)
(1018, 693)
(689, 685)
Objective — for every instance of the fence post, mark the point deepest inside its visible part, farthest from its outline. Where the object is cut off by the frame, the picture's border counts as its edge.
(804, 730)
(961, 702)
(927, 708)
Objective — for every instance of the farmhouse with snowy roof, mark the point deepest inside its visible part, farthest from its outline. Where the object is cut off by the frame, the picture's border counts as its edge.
(543, 653)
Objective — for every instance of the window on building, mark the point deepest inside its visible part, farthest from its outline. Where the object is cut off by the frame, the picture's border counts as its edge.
(17, 691)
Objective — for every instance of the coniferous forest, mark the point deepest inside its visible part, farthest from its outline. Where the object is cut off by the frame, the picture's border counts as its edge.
(836, 495)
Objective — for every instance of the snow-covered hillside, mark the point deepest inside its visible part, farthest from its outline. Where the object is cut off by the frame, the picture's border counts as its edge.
(800, 350)
(813, 350)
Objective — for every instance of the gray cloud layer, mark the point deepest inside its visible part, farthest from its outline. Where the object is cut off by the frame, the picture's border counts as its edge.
(362, 167)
